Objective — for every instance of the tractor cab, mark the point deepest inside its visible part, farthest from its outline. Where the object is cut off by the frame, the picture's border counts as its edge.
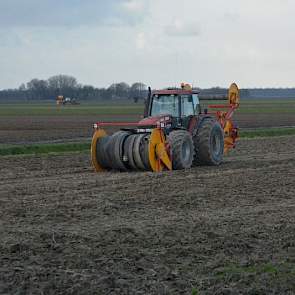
(176, 105)
(179, 104)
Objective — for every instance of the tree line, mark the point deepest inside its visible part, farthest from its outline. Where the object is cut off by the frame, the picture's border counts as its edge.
(68, 86)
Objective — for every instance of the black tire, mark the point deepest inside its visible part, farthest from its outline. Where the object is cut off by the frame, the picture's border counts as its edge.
(101, 154)
(209, 143)
(128, 151)
(182, 149)
(115, 150)
(144, 153)
(136, 152)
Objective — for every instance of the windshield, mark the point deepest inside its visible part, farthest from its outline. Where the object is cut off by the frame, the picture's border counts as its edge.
(165, 104)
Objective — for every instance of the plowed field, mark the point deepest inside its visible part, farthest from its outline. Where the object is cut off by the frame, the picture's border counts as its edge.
(41, 122)
(211, 230)
(26, 130)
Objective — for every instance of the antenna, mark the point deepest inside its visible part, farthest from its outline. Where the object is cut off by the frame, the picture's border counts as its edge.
(177, 67)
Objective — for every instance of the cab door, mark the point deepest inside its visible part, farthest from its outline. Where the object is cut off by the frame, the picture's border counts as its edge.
(187, 109)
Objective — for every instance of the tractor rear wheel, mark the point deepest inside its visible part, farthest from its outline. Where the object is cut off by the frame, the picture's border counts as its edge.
(182, 148)
(209, 143)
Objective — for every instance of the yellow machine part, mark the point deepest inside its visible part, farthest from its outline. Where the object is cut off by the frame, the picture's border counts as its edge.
(186, 86)
(234, 95)
(228, 139)
(230, 133)
(158, 156)
(59, 100)
(99, 133)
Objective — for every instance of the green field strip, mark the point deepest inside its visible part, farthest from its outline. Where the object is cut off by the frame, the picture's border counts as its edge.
(31, 149)
(111, 108)
(266, 132)
(282, 270)
(85, 110)
(264, 110)
(43, 148)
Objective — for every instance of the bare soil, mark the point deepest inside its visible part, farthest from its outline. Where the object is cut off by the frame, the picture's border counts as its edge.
(26, 130)
(220, 230)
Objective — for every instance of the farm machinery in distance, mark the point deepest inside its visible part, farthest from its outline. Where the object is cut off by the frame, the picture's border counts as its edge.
(175, 133)
(61, 100)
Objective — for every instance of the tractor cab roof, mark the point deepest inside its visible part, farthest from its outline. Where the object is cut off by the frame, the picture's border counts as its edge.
(175, 92)
(186, 89)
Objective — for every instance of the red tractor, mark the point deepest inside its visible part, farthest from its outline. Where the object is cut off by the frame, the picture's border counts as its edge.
(176, 133)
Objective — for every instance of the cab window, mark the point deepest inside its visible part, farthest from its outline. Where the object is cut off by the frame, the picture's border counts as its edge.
(196, 103)
(187, 106)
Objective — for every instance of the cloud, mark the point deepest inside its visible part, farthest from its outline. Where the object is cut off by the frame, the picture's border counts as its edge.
(180, 28)
(231, 17)
(104, 41)
(140, 40)
(133, 12)
(134, 6)
(9, 40)
(72, 13)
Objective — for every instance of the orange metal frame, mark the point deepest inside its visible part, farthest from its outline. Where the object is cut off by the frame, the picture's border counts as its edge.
(231, 131)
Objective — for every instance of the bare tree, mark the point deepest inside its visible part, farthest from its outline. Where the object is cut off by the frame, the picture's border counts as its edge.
(38, 89)
(63, 84)
(118, 90)
(138, 91)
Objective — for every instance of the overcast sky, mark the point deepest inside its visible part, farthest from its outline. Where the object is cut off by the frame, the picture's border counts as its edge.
(159, 42)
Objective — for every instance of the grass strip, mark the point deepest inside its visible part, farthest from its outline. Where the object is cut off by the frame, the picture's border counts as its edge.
(85, 146)
(44, 149)
(267, 132)
(283, 269)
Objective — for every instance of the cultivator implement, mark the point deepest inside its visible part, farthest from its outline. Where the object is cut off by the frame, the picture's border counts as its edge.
(165, 141)
(127, 150)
